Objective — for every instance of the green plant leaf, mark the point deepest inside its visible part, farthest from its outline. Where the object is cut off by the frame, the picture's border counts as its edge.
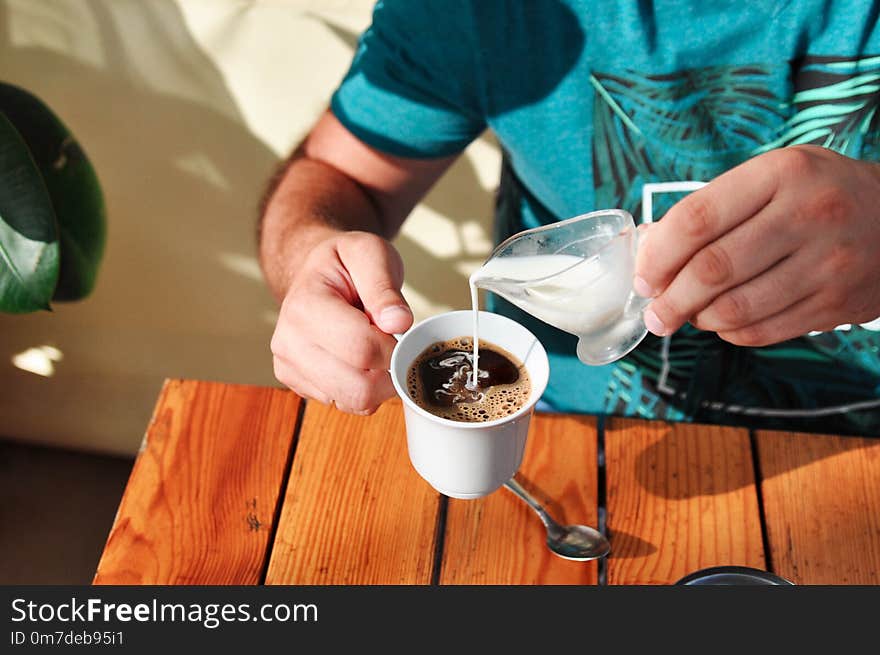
(28, 237)
(73, 189)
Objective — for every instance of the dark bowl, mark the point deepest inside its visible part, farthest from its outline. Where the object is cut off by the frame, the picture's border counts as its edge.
(733, 575)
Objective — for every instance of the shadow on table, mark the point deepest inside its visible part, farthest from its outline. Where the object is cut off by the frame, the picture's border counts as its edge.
(625, 545)
(686, 464)
(555, 505)
(777, 456)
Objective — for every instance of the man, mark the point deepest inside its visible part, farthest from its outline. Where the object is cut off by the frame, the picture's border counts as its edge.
(775, 104)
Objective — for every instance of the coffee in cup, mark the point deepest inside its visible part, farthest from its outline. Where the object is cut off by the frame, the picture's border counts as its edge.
(440, 381)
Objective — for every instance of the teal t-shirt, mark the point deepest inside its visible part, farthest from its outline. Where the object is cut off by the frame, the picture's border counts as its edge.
(590, 101)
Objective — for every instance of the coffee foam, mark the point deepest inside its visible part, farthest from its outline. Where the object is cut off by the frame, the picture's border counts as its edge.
(497, 401)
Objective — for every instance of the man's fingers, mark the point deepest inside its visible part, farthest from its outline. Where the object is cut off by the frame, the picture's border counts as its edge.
(740, 255)
(327, 344)
(785, 325)
(352, 389)
(288, 375)
(762, 297)
(376, 271)
(700, 218)
(326, 318)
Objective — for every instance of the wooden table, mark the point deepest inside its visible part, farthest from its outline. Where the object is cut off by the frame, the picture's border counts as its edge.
(252, 485)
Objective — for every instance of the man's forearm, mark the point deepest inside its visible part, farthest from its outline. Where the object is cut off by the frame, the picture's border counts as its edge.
(311, 202)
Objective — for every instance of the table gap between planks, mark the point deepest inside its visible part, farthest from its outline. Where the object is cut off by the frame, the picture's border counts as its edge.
(240, 484)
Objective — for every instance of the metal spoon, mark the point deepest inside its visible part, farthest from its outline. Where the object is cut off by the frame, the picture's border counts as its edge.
(576, 542)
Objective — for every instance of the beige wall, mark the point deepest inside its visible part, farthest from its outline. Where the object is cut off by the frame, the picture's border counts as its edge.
(184, 107)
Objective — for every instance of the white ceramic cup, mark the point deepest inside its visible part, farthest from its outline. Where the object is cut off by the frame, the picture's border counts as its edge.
(458, 459)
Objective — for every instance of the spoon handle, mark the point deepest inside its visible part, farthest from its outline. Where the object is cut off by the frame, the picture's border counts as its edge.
(516, 488)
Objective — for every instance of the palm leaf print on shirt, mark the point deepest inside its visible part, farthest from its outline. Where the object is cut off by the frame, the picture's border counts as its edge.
(835, 103)
(694, 125)
(690, 125)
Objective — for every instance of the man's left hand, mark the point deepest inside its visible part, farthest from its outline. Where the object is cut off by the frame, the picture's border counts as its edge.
(786, 243)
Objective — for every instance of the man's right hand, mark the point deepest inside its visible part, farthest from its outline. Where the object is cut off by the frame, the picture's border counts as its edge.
(339, 282)
(333, 339)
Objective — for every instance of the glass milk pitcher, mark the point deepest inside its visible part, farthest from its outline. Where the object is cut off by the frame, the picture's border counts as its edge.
(577, 276)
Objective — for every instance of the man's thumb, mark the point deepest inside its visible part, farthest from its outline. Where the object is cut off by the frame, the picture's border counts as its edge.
(377, 273)
(394, 319)
(386, 306)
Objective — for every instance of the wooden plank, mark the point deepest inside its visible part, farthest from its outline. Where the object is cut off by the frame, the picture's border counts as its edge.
(500, 540)
(822, 506)
(680, 497)
(201, 499)
(355, 510)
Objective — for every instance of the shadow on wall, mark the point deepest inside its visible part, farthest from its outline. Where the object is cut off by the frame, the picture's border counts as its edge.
(460, 197)
(180, 293)
(511, 30)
